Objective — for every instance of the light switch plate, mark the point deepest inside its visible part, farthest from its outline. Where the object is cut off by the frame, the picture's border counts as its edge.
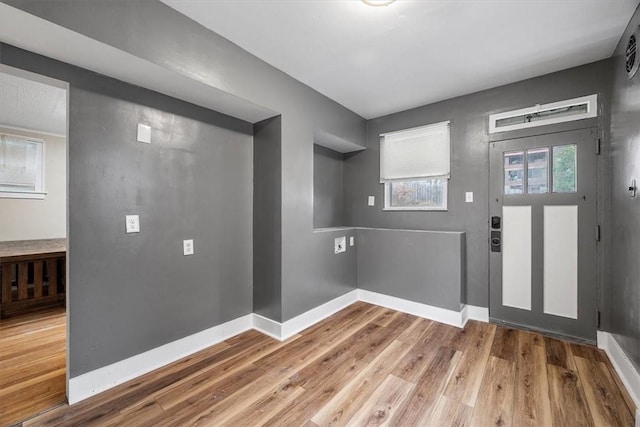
(468, 197)
(144, 133)
(340, 244)
(132, 223)
(187, 247)
(352, 240)
(371, 200)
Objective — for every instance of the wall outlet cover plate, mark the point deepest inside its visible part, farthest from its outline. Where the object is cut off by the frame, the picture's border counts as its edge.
(187, 247)
(144, 133)
(468, 196)
(132, 223)
(371, 200)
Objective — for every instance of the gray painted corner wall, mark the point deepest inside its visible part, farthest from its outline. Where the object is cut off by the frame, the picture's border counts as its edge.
(157, 33)
(267, 218)
(326, 275)
(129, 293)
(328, 188)
(625, 243)
(469, 162)
(421, 266)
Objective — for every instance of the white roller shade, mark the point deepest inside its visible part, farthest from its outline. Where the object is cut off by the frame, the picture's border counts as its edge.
(420, 152)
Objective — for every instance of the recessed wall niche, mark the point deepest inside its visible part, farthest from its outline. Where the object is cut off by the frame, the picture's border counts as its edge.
(328, 188)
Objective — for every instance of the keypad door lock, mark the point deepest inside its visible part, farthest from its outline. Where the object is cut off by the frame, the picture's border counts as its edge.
(495, 222)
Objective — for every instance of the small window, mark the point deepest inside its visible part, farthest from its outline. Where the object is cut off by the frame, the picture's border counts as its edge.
(415, 167)
(514, 172)
(538, 171)
(21, 167)
(541, 115)
(423, 194)
(528, 171)
(564, 169)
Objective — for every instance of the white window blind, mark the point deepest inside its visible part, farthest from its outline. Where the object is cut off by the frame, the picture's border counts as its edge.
(21, 164)
(422, 152)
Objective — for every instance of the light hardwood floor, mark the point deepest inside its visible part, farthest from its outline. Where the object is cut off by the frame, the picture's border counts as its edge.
(370, 365)
(32, 364)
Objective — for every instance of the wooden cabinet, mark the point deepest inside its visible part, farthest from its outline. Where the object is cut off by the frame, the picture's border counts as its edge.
(32, 275)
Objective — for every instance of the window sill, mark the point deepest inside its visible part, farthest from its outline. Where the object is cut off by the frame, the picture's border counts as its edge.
(21, 195)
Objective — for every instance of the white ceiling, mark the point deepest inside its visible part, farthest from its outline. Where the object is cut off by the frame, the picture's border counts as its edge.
(31, 105)
(380, 60)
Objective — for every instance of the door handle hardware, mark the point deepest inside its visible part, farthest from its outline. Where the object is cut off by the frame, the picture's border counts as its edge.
(496, 242)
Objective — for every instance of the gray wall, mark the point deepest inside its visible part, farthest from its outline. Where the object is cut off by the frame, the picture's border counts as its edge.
(625, 159)
(328, 188)
(129, 293)
(267, 218)
(421, 266)
(156, 33)
(469, 161)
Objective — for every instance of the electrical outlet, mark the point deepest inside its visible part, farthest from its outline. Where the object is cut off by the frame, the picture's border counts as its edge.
(132, 223)
(144, 133)
(187, 247)
(371, 201)
(352, 241)
(340, 244)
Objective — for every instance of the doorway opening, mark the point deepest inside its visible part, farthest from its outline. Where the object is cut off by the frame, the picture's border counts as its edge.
(33, 243)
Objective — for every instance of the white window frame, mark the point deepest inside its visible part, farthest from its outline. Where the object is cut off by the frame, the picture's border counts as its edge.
(445, 178)
(39, 192)
(592, 111)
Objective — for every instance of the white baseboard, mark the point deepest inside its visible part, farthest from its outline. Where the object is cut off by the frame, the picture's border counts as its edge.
(283, 331)
(473, 312)
(313, 316)
(102, 379)
(99, 380)
(628, 374)
(438, 314)
(267, 326)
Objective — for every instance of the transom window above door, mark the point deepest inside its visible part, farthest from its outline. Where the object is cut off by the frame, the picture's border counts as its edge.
(536, 170)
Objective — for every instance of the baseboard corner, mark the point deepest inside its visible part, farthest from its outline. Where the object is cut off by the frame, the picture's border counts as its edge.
(623, 366)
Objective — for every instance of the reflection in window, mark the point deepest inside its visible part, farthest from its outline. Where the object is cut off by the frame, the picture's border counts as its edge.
(564, 169)
(537, 170)
(514, 172)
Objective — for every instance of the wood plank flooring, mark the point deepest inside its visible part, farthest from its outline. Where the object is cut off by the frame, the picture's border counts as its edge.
(367, 365)
(32, 363)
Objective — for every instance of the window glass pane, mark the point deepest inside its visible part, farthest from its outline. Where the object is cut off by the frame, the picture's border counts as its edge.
(513, 172)
(424, 193)
(572, 110)
(537, 171)
(20, 163)
(564, 169)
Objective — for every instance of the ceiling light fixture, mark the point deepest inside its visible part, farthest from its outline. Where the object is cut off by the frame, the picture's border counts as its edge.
(378, 2)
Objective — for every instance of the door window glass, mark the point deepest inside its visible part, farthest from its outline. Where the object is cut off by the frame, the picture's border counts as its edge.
(514, 172)
(538, 170)
(564, 169)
